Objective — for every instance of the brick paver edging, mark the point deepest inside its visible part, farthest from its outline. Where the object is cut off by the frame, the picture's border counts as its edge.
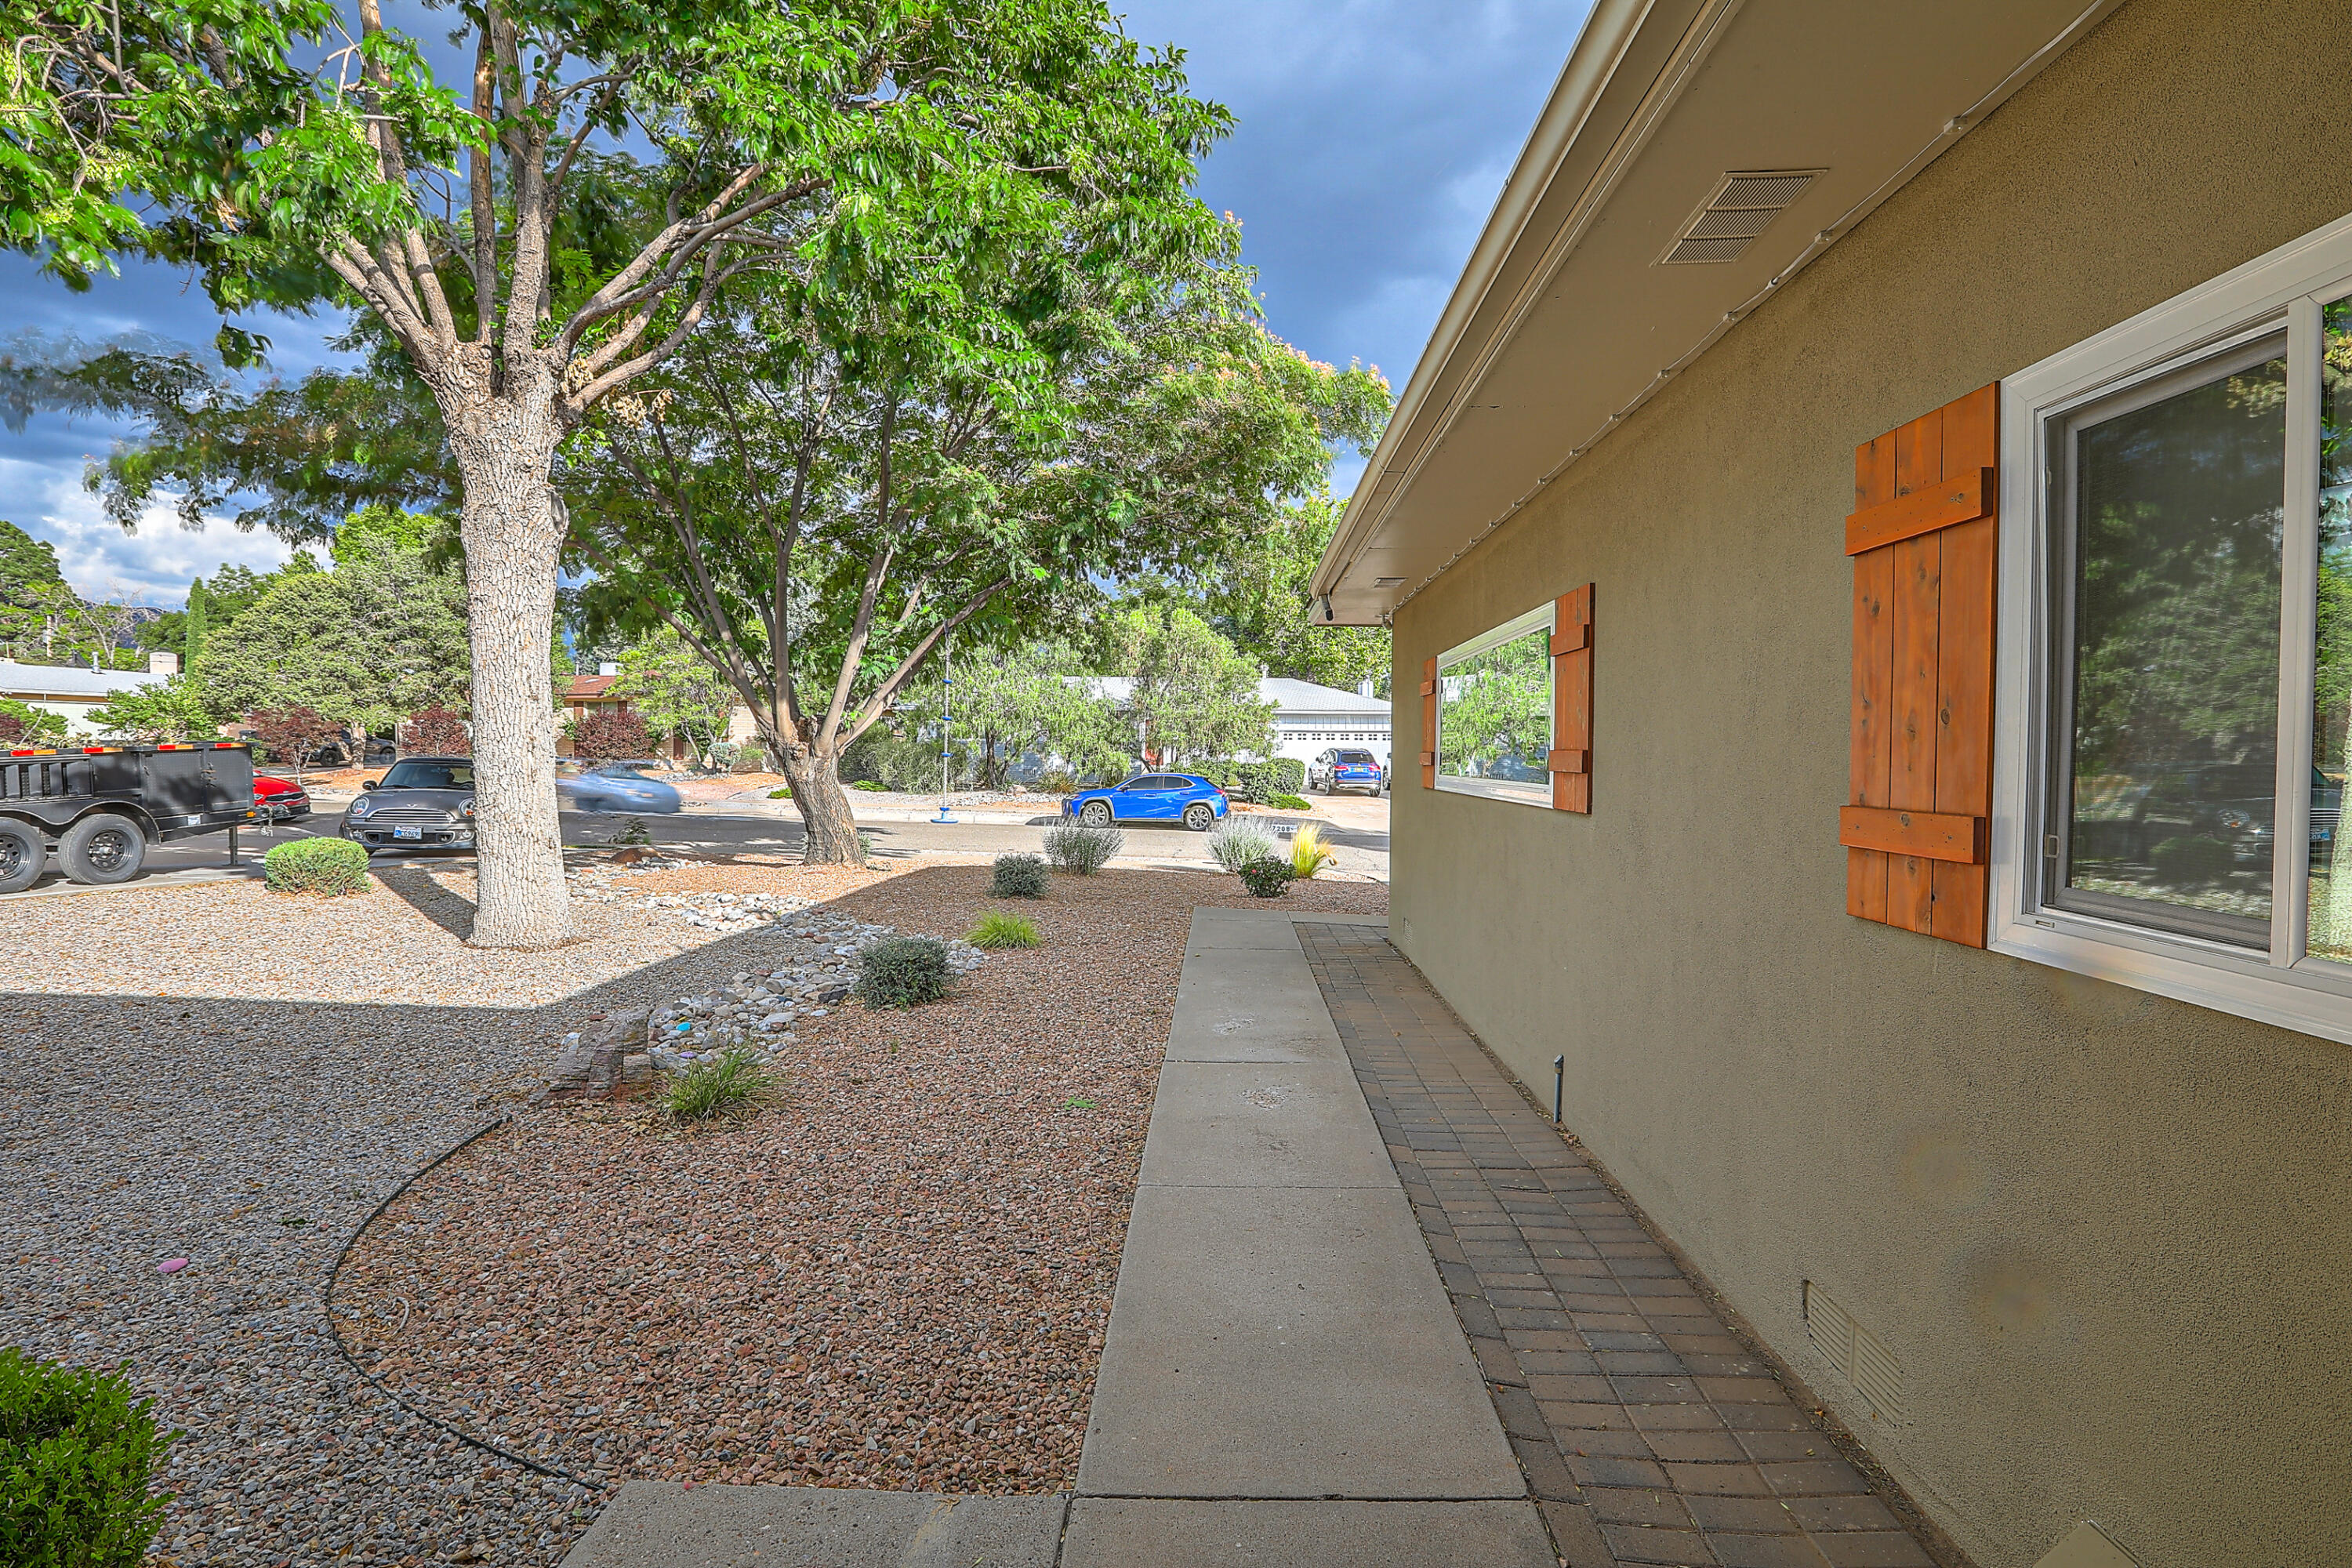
(1648, 1432)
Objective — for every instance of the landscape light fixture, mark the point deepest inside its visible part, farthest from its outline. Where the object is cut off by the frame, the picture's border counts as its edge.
(1559, 1082)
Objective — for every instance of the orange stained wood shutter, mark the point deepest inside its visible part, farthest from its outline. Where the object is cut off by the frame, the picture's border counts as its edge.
(1428, 723)
(1571, 701)
(1920, 793)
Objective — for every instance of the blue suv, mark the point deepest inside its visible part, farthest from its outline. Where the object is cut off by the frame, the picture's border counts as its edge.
(1346, 768)
(1151, 797)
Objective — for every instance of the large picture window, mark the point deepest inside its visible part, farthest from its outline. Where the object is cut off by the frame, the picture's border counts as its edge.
(1495, 711)
(2176, 710)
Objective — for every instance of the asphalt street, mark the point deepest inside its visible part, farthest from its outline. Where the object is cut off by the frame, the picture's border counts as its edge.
(1359, 848)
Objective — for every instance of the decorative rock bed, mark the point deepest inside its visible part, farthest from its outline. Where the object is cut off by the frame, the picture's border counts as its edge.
(756, 1012)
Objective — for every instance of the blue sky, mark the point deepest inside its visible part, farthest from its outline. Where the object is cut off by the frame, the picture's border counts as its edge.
(1373, 136)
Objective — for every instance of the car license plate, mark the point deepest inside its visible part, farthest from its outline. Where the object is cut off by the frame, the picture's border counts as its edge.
(417, 833)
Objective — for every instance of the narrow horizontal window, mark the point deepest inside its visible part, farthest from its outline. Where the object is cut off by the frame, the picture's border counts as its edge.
(1494, 712)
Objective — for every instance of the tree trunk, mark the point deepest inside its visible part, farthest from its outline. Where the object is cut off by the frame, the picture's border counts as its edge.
(504, 444)
(824, 804)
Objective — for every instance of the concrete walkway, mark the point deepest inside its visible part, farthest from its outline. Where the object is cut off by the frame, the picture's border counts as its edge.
(1283, 1380)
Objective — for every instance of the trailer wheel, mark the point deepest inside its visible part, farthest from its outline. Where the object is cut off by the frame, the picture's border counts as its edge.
(102, 848)
(22, 856)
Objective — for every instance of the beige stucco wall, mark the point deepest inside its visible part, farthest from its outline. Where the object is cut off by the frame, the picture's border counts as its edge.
(2108, 1235)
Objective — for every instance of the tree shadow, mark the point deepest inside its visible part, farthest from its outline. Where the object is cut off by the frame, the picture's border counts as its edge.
(416, 888)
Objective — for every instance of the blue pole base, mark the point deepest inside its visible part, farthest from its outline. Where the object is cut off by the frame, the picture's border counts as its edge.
(944, 815)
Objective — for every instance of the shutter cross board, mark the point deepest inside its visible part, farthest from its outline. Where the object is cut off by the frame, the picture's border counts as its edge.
(1922, 536)
(1570, 763)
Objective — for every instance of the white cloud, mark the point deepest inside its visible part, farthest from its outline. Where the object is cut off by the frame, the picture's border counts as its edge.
(150, 565)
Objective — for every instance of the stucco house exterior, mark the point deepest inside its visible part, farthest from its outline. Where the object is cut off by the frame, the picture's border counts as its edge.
(1864, 545)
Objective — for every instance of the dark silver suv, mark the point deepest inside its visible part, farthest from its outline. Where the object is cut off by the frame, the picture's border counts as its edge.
(423, 803)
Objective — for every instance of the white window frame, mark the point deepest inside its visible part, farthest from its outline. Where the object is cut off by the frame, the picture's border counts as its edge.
(2286, 289)
(1544, 617)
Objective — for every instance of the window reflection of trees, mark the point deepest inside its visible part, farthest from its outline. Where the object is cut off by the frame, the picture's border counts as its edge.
(2180, 506)
(1494, 712)
(2331, 860)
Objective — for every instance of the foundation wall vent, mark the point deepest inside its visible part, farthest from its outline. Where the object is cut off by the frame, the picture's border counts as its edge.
(1742, 206)
(1860, 1356)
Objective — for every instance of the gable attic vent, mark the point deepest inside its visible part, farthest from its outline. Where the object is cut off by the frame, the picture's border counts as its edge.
(1742, 205)
(1388, 582)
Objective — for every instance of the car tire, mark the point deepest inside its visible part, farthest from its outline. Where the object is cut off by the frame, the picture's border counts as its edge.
(102, 850)
(1095, 814)
(1200, 816)
(23, 857)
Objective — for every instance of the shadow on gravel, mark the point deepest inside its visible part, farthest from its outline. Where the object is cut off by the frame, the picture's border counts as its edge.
(452, 911)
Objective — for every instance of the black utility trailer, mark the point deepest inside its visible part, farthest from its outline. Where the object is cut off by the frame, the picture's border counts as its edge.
(98, 807)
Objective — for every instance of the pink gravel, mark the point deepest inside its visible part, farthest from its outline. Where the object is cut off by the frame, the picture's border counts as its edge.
(898, 1275)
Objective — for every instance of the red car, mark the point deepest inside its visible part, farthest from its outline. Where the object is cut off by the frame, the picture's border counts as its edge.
(279, 800)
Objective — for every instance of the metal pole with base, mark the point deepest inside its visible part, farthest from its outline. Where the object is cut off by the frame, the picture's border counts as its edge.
(1559, 1082)
(232, 845)
(947, 679)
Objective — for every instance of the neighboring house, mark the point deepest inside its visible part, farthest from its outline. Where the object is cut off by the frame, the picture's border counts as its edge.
(1883, 455)
(73, 692)
(1308, 718)
(584, 695)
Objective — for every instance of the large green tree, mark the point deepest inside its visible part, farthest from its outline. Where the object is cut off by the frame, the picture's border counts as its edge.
(815, 497)
(1195, 694)
(381, 637)
(26, 562)
(1257, 598)
(556, 223)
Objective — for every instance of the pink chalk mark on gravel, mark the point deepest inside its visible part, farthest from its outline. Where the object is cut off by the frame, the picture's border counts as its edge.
(171, 1266)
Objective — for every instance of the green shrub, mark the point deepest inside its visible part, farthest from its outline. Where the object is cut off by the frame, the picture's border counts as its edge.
(734, 1080)
(902, 971)
(1018, 877)
(997, 929)
(1082, 850)
(1256, 783)
(783, 793)
(1308, 852)
(331, 866)
(76, 1455)
(1237, 841)
(1267, 878)
(871, 786)
(1059, 781)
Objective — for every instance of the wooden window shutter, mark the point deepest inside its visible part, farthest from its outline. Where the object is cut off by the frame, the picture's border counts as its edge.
(1571, 701)
(1922, 536)
(1428, 723)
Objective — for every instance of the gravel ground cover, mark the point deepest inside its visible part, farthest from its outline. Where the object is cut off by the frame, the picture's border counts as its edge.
(221, 1075)
(896, 1276)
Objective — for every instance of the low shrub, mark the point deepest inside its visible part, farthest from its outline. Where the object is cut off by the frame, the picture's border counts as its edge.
(1018, 877)
(334, 867)
(76, 1455)
(1082, 850)
(783, 793)
(631, 830)
(871, 786)
(1267, 878)
(1256, 783)
(1058, 781)
(903, 971)
(997, 929)
(1308, 852)
(735, 1080)
(1237, 841)
(1292, 802)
